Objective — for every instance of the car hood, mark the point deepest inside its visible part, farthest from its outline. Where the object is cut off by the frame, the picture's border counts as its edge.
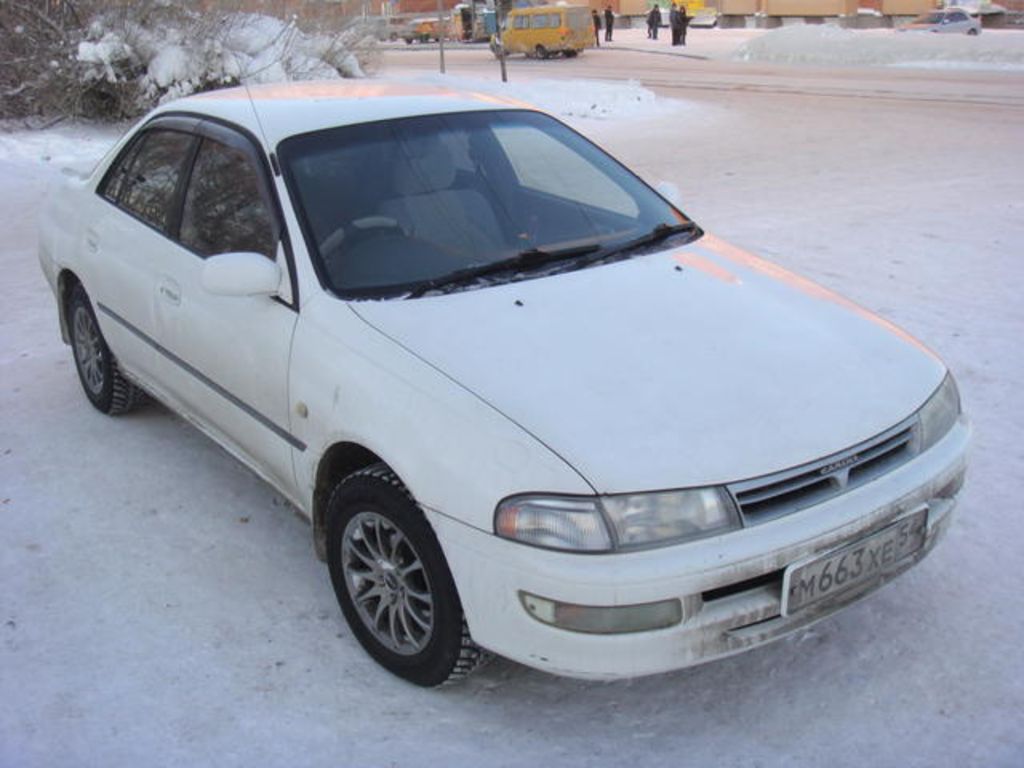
(693, 366)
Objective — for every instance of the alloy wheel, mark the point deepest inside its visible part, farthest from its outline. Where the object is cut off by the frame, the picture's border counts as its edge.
(88, 350)
(387, 583)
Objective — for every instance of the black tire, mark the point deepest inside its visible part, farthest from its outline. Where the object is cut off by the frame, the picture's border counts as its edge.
(371, 512)
(541, 52)
(972, 32)
(102, 381)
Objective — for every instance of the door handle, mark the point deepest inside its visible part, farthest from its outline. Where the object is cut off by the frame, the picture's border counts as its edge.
(170, 290)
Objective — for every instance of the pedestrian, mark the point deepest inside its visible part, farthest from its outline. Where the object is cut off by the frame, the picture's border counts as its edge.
(609, 23)
(597, 26)
(684, 22)
(653, 22)
(674, 24)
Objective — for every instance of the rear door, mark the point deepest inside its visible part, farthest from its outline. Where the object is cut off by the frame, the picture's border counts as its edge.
(126, 230)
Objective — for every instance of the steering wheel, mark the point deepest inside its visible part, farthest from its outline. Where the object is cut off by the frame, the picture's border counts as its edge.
(358, 230)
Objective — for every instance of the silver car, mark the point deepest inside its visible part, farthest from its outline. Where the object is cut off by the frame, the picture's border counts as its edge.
(946, 21)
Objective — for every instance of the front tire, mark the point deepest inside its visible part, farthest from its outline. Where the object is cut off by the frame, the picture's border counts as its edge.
(393, 583)
(104, 384)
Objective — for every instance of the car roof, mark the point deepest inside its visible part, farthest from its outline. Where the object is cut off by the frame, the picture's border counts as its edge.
(289, 109)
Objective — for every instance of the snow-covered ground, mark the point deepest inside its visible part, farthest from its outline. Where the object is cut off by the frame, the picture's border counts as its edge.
(830, 45)
(160, 606)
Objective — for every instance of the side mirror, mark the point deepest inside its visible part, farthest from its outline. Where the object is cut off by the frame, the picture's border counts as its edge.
(241, 274)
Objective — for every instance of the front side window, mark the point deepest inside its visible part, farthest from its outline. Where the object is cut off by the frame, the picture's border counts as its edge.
(148, 189)
(407, 206)
(225, 209)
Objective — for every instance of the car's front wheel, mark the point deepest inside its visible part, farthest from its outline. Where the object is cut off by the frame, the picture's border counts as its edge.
(104, 384)
(393, 583)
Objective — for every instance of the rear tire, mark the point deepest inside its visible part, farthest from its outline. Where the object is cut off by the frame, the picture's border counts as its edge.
(104, 384)
(541, 52)
(972, 32)
(392, 581)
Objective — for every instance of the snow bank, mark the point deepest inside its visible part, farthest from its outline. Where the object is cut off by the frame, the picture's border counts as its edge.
(600, 100)
(832, 46)
(141, 59)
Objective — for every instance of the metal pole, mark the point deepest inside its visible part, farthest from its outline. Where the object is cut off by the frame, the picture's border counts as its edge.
(500, 16)
(440, 31)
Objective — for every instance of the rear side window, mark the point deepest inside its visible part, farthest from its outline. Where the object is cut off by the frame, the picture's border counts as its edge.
(145, 186)
(225, 209)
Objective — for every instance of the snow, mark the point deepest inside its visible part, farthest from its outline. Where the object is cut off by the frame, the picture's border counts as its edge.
(830, 45)
(190, 52)
(572, 98)
(161, 606)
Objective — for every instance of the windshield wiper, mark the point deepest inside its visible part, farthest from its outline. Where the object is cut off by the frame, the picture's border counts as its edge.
(521, 262)
(656, 235)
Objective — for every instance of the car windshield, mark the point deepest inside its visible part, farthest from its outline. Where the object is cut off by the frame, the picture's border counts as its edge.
(401, 208)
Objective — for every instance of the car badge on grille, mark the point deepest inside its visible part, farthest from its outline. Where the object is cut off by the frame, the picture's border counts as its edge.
(835, 466)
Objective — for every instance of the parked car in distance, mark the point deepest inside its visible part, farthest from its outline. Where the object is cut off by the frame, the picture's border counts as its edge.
(944, 21)
(543, 31)
(527, 404)
(425, 30)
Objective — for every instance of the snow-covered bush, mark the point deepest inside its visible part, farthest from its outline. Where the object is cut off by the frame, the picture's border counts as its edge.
(123, 58)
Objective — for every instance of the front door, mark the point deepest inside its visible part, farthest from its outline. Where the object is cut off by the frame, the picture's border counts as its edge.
(225, 358)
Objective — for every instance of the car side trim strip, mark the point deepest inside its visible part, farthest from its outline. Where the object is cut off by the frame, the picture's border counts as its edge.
(293, 441)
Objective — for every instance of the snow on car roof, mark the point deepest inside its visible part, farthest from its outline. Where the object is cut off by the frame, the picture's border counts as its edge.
(286, 109)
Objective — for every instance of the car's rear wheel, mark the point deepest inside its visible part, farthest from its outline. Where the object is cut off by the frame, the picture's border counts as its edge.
(541, 52)
(104, 384)
(972, 32)
(393, 583)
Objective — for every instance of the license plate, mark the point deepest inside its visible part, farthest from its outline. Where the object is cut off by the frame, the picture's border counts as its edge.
(844, 569)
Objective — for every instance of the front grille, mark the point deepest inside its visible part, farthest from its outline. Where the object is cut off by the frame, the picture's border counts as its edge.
(772, 496)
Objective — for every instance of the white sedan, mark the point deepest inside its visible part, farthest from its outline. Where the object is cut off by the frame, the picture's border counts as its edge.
(527, 404)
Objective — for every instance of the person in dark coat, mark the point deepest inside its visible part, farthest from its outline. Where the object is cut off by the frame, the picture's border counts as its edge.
(597, 26)
(684, 22)
(609, 23)
(653, 22)
(675, 24)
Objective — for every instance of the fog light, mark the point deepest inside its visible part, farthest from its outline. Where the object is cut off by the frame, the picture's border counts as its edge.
(603, 620)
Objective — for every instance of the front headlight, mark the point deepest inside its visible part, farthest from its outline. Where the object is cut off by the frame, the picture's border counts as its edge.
(553, 522)
(643, 519)
(622, 522)
(939, 414)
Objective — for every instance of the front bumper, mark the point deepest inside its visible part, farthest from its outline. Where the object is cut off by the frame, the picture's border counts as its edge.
(730, 586)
